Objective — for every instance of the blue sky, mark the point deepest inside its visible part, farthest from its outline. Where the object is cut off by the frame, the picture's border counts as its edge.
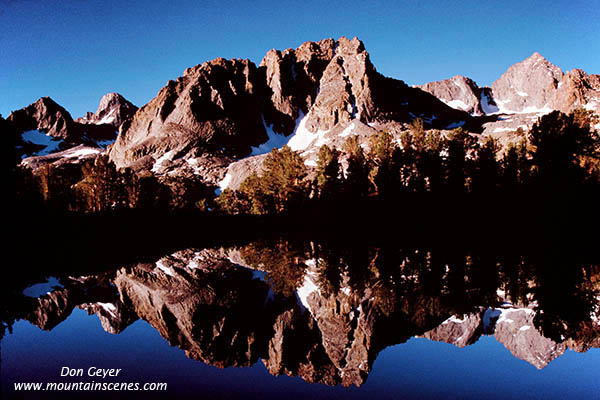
(77, 50)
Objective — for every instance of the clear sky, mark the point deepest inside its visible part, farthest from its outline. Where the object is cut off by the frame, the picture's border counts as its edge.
(75, 51)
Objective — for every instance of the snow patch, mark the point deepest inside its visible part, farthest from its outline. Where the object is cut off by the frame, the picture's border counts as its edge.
(540, 111)
(348, 130)
(82, 153)
(457, 104)
(522, 94)
(453, 319)
(108, 118)
(306, 289)
(165, 157)
(592, 104)
(224, 183)
(276, 140)
(525, 328)
(302, 137)
(108, 307)
(164, 268)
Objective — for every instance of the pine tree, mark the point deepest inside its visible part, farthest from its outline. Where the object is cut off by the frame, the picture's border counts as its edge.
(328, 177)
(383, 175)
(486, 168)
(460, 144)
(357, 182)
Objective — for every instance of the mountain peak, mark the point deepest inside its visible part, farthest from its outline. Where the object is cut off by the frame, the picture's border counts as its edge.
(536, 56)
(113, 110)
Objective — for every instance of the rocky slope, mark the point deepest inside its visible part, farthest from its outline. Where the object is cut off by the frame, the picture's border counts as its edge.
(458, 92)
(527, 86)
(231, 108)
(522, 94)
(113, 110)
(45, 127)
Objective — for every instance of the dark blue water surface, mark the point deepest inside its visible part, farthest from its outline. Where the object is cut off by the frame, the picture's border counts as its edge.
(419, 368)
(283, 319)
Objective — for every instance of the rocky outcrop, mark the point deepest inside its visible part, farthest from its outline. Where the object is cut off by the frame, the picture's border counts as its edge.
(201, 304)
(516, 331)
(460, 332)
(512, 326)
(529, 85)
(458, 92)
(113, 110)
(74, 155)
(292, 77)
(47, 116)
(351, 89)
(51, 309)
(45, 127)
(214, 107)
(526, 91)
(578, 89)
(95, 294)
(536, 85)
(230, 107)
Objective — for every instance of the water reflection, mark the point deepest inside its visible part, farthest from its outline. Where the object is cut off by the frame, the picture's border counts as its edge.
(323, 310)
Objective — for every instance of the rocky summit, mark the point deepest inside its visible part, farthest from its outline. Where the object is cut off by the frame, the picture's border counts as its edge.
(45, 127)
(231, 107)
(217, 121)
(458, 92)
(113, 110)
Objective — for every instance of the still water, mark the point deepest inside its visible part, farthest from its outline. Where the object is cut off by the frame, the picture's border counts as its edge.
(313, 320)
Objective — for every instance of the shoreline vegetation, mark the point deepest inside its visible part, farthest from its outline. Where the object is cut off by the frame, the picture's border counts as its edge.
(424, 171)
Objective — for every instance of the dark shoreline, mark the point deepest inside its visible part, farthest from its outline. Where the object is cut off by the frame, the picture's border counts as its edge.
(517, 224)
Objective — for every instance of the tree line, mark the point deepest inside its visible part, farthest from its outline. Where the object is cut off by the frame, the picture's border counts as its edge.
(561, 154)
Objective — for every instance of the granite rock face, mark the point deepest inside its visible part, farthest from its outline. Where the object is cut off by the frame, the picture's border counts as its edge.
(526, 91)
(56, 127)
(458, 92)
(113, 110)
(529, 85)
(214, 107)
(230, 107)
(292, 78)
(47, 116)
(578, 89)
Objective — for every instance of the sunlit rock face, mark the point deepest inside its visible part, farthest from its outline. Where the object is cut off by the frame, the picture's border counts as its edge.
(113, 110)
(516, 331)
(234, 109)
(517, 99)
(51, 309)
(528, 85)
(52, 120)
(458, 92)
(513, 327)
(214, 107)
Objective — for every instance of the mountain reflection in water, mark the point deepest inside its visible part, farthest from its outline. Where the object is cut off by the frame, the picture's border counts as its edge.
(323, 311)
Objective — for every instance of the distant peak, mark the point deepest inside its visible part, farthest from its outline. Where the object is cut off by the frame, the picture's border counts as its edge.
(45, 100)
(535, 57)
